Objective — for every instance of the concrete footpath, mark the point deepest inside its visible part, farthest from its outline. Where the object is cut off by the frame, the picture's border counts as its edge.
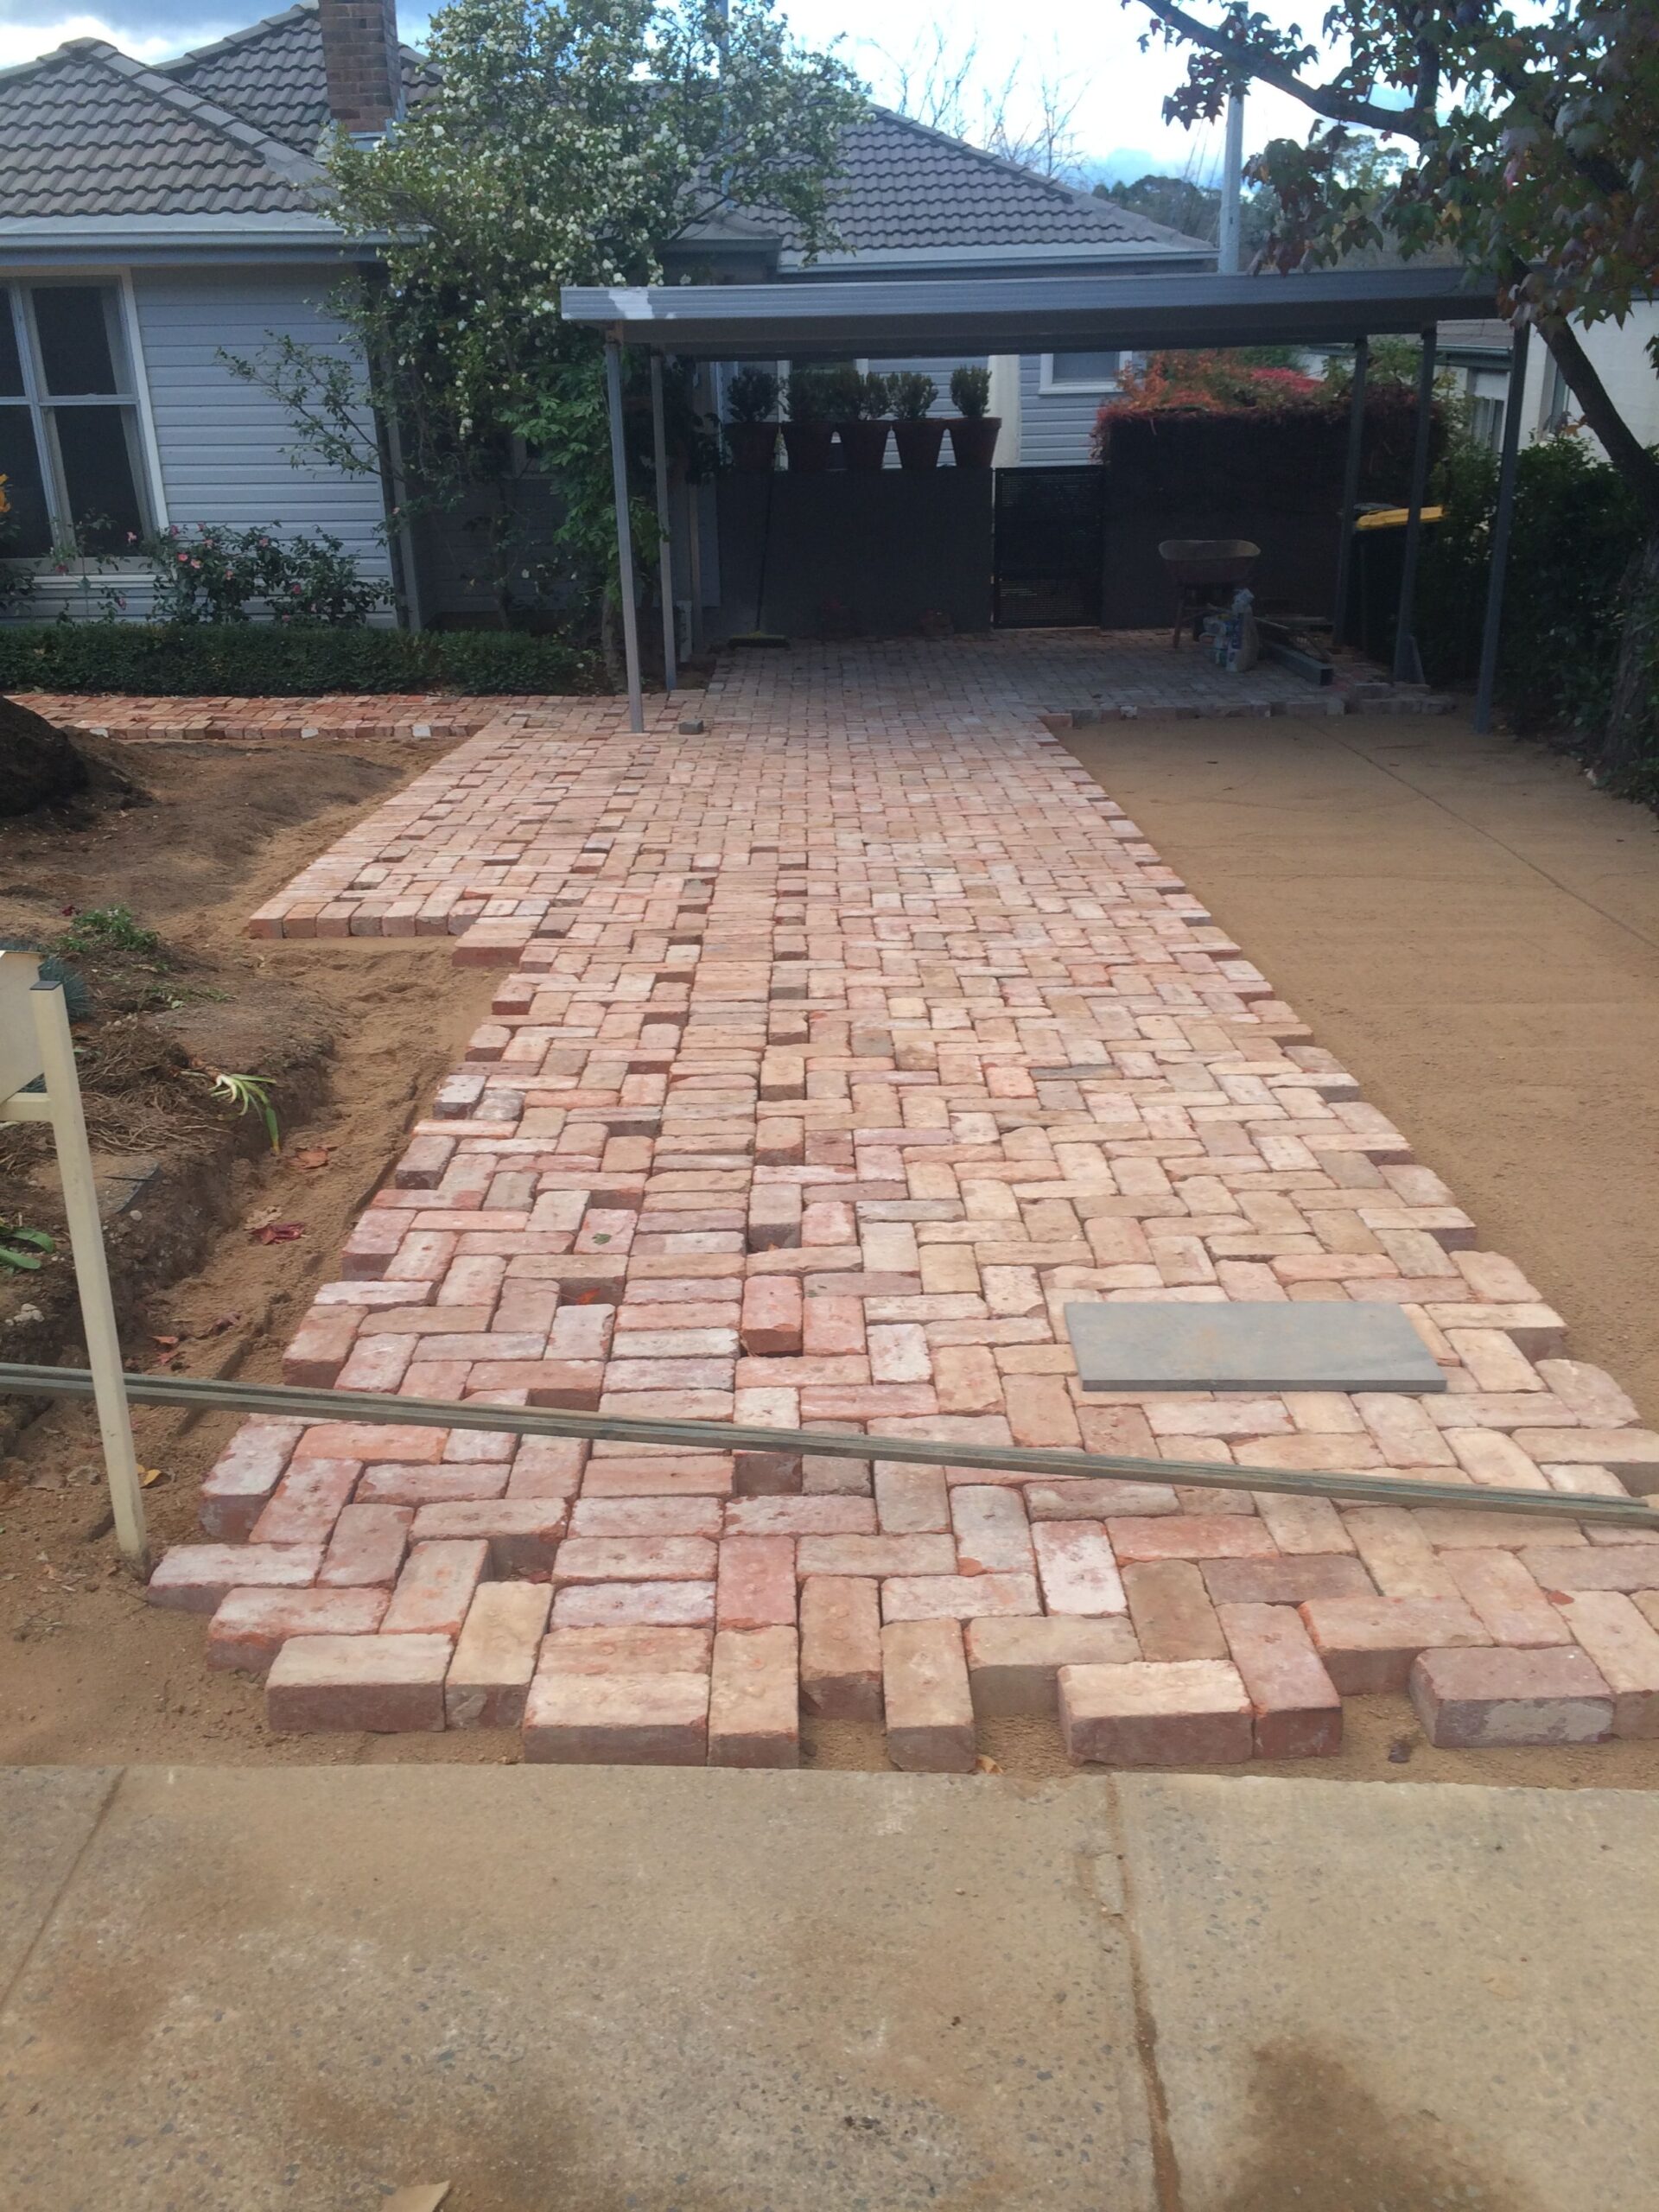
(615, 1990)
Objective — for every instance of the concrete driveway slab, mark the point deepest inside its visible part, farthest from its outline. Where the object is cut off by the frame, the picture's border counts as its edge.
(46, 1815)
(579, 1989)
(1399, 1999)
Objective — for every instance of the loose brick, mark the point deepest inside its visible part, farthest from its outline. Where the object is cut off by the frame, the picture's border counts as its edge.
(1509, 1604)
(234, 1490)
(957, 1597)
(770, 1323)
(1192, 1535)
(647, 1516)
(1397, 1555)
(1594, 1566)
(841, 1646)
(584, 1720)
(197, 1578)
(635, 1605)
(755, 1585)
(1296, 1706)
(523, 1533)
(993, 1535)
(251, 1626)
(367, 1546)
(911, 1501)
(321, 1347)
(372, 1442)
(1185, 1713)
(1624, 1647)
(882, 1555)
(383, 1684)
(930, 1711)
(1013, 1663)
(1089, 1499)
(305, 1505)
(1284, 1581)
(635, 1558)
(1171, 1610)
(642, 1650)
(436, 1588)
(1078, 1567)
(755, 1698)
(1473, 1700)
(1368, 1644)
(801, 1516)
(495, 1657)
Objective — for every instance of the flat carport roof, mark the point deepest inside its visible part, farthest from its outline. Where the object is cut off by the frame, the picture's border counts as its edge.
(1026, 314)
(915, 317)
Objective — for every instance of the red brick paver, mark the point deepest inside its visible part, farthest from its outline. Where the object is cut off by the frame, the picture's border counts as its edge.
(149, 719)
(836, 1050)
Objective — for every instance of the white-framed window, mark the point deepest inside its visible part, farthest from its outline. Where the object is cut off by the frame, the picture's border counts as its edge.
(71, 442)
(1080, 371)
(1486, 420)
(1556, 400)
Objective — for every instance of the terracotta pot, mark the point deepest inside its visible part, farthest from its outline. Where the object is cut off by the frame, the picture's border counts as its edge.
(754, 447)
(808, 446)
(919, 443)
(865, 445)
(973, 439)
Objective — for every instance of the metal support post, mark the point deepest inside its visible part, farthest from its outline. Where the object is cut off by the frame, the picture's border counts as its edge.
(665, 545)
(1406, 667)
(624, 535)
(1501, 521)
(1350, 488)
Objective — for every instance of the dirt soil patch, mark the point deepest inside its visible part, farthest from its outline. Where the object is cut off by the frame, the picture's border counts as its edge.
(1473, 929)
(352, 1040)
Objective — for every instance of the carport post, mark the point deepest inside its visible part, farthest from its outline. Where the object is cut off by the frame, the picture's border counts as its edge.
(1351, 486)
(624, 536)
(1501, 521)
(665, 550)
(1406, 666)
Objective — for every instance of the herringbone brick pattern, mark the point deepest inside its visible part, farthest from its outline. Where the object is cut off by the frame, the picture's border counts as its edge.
(842, 1046)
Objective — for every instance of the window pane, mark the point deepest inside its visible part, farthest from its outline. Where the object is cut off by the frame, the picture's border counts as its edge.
(1085, 368)
(74, 336)
(11, 367)
(95, 445)
(26, 531)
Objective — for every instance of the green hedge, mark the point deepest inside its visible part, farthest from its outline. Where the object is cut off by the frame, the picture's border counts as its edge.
(256, 660)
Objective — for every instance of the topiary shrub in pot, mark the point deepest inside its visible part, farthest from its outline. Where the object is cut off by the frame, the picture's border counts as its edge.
(752, 420)
(973, 436)
(918, 436)
(862, 403)
(809, 431)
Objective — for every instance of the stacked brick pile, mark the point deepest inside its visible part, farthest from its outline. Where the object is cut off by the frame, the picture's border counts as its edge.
(844, 1047)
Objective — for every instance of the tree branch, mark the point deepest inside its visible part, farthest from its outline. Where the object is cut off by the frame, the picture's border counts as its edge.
(1634, 462)
(1328, 101)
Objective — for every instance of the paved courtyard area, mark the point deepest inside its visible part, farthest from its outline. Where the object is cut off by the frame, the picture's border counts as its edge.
(840, 1047)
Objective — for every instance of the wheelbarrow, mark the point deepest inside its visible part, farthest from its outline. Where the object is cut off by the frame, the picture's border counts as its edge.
(1200, 568)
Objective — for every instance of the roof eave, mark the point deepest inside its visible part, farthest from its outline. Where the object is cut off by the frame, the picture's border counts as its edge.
(38, 241)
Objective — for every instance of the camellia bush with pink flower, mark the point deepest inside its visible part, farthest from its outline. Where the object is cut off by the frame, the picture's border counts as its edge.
(212, 573)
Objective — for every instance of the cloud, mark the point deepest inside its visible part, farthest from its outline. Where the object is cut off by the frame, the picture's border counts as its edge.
(27, 31)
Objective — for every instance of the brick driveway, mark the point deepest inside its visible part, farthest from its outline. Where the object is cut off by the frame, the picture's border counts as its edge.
(843, 1046)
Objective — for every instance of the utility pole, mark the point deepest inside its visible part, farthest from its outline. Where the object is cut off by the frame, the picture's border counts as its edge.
(1229, 258)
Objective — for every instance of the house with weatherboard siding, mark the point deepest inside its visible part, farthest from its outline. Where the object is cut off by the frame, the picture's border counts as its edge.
(155, 219)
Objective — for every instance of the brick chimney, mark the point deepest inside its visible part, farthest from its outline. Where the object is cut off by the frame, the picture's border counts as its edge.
(360, 60)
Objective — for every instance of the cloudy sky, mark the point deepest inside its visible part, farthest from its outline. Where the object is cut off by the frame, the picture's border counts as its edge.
(1087, 47)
